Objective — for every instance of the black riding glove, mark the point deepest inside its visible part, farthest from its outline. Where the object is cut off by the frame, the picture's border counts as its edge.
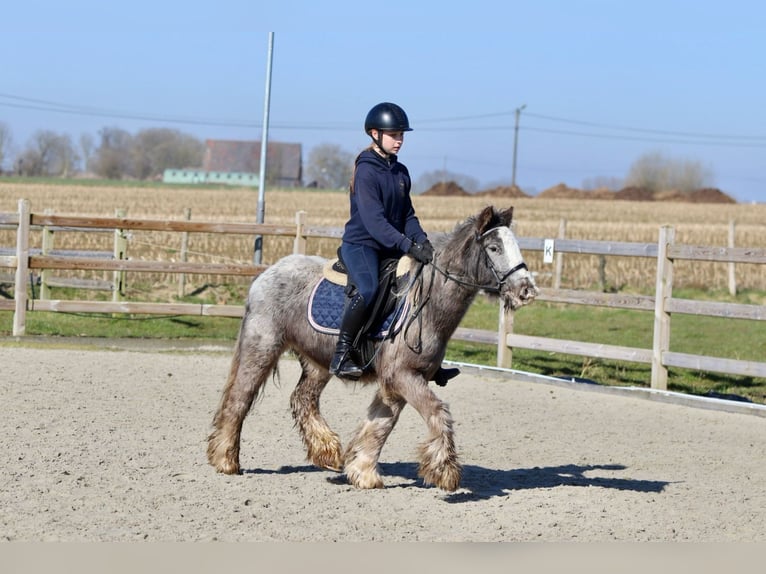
(422, 252)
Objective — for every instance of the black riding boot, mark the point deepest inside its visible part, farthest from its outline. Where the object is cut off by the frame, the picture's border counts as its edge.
(343, 362)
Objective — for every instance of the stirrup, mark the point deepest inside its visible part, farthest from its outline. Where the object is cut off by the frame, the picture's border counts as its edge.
(347, 367)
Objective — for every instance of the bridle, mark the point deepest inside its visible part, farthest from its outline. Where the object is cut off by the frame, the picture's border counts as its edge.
(501, 279)
(420, 299)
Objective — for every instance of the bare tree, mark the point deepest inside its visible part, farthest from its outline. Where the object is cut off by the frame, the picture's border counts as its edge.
(157, 149)
(86, 146)
(112, 158)
(657, 172)
(329, 166)
(49, 154)
(6, 140)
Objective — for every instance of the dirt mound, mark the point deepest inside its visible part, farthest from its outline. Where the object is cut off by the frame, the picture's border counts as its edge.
(503, 191)
(633, 193)
(562, 191)
(704, 195)
(448, 188)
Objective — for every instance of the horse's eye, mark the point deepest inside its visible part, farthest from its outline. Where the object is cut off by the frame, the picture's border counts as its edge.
(493, 249)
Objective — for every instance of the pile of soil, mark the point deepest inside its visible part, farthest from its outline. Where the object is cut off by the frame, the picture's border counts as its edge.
(632, 193)
(503, 191)
(563, 191)
(446, 188)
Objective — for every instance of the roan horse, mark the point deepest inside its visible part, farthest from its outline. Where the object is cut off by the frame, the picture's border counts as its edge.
(481, 253)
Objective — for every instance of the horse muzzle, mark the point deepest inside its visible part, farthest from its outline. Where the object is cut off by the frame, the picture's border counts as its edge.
(516, 294)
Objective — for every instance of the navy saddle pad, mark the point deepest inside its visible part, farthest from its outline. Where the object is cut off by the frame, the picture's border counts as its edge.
(326, 309)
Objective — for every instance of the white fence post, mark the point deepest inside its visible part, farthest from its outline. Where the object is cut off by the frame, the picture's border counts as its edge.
(22, 270)
(299, 243)
(47, 247)
(505, 326)
(732, 274)
(560, 255)
(184, 253)
(120, 252)
(663, 291)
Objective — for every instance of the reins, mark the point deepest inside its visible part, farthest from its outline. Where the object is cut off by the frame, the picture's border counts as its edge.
(420, 300)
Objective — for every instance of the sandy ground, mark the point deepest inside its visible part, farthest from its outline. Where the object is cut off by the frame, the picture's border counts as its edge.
(109, 445)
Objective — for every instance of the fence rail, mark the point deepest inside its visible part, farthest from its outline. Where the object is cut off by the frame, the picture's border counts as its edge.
(662, 304)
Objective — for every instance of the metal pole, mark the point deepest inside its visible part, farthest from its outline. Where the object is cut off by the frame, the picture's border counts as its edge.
(515, 143)
(258, 252)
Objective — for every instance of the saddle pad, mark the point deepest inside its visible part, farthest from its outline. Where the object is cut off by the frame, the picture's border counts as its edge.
(325, 310)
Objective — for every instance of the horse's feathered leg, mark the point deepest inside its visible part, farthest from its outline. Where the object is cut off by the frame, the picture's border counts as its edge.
(438, 457)
(323, 446)
(362, 453)
(251, 365)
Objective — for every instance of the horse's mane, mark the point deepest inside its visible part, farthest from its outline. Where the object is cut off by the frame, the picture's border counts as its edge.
(460, 248)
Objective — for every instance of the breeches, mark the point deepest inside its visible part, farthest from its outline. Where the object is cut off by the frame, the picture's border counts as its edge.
(362, 264)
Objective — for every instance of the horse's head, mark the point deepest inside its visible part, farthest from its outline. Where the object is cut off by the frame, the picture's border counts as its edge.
(504, 261)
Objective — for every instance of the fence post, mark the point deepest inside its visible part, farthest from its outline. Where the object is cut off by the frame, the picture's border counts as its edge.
(732, 275)
(47, 247)
(560, 255)
(120, 252)
(299, 243)
(184, 253)
(663, 291)
(505, 326)
(22, 269)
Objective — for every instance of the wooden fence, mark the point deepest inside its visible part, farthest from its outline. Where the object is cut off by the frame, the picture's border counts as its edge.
(662, 304)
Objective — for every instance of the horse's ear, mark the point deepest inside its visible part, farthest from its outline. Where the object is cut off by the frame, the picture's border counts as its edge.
(490, 218)
(485, 220)
(506, 215)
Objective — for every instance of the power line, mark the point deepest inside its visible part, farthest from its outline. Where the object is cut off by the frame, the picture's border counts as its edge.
(687, 138)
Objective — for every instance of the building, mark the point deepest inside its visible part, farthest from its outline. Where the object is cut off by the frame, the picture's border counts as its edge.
(284, 167)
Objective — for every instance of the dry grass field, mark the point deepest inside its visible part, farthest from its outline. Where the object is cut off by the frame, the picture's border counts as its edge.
(634, 221)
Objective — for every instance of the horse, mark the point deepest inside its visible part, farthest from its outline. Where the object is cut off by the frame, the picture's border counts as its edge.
(480, 254)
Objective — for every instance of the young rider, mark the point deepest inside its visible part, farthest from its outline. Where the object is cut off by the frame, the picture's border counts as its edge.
(382, 224)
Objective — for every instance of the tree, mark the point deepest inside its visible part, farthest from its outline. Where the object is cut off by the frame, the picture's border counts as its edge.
(157, 149)
(112, 158)
(86, 146)
(657, 172)
(6, 140)
(329, 166)
(48, 154)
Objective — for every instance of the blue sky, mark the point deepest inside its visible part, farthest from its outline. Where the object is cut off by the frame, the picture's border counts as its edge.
(604, 82)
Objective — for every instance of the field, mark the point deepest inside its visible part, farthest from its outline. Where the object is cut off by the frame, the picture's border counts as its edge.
(695, 224)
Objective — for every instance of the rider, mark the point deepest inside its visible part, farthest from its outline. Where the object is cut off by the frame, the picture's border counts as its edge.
(382, 224)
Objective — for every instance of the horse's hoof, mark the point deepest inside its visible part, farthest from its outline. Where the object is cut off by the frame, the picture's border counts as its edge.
(227, 468)
(364, 480)
(368, 483)
(447, 477)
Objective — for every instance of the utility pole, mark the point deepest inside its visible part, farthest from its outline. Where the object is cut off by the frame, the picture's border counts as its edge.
(261, 209)
(515, 143)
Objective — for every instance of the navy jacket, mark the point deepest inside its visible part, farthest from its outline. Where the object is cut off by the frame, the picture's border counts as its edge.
(381, 212)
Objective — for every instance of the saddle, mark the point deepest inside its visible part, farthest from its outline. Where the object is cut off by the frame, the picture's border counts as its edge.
(327, 300)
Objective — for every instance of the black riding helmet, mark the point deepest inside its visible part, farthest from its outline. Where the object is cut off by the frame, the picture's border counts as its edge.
(386, 117)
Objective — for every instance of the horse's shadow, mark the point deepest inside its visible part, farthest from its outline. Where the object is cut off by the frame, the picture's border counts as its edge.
(480, 483)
